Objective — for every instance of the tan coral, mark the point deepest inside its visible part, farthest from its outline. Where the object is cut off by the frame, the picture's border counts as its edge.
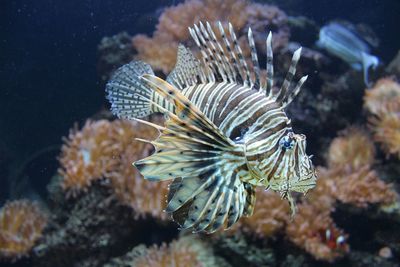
(386, 128)
(131, 189)
(352, 150)
(87, 154)
(160, 49)
(384, 92)
(271, 214)
(21, 225)
(363, 187)
(322, 196)
(316, 233)
(173, 255)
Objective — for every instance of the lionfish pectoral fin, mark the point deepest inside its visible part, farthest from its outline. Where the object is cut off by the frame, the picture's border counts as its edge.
(250, 199)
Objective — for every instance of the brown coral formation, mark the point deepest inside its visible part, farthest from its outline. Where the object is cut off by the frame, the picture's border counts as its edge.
(386, 128)
(383, 103)
(349, 179)
(160, 49)
(352, 150)
(21, 225)
(105, 149)
(271, 213)
(316, 233)
(176, 254)
(87, 155)
(350, 160)
(362, 188)
(384, 92)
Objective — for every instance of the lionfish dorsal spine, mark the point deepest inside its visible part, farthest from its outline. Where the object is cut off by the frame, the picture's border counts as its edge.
(231, 66)
(232, 57)
(239, 53)
(227, 67)
(270, 65)
(283, 92)
(254, 58)
(187, 71)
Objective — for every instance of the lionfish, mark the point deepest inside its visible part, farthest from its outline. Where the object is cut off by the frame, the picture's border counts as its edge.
(226, 130)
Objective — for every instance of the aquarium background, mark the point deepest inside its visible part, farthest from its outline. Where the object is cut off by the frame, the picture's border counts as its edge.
(52, 76)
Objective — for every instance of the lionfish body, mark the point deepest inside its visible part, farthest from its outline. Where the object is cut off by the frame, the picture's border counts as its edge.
(226, 131)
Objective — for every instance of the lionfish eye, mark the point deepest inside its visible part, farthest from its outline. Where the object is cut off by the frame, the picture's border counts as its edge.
(286, 142)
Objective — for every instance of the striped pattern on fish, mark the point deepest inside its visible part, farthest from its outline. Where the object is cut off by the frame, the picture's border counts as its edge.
(226, 132)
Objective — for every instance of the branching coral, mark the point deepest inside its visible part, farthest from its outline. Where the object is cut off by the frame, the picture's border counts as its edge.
(160, 50)
(21, 225)
(271, 214)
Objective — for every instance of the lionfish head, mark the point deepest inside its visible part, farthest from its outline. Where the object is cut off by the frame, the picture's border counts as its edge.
(289, 170)
(295, 171)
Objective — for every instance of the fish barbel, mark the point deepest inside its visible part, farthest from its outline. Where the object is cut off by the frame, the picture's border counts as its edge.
(226, 130)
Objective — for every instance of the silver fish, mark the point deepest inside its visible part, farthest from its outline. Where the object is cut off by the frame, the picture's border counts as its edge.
(345, 44)
(227, 130)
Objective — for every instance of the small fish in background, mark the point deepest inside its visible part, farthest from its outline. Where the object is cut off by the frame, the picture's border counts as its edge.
(349, 46)
(227, 131)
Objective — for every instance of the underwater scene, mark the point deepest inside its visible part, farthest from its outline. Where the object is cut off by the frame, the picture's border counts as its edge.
(221, 133)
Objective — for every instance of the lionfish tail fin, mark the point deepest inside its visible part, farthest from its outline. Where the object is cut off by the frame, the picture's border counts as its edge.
(128, 95)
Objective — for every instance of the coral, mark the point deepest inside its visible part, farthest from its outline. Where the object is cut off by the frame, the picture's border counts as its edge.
(133, 190)
(386, 128)
(87, 155)
(383, 102)
(21, 225)
(352, 150)
(160, 49)
(90, 226)
(185, 251)
(316, 233)
(271, 214)
(106, 149)
(384, 92)
(241, 251)
(361, 188)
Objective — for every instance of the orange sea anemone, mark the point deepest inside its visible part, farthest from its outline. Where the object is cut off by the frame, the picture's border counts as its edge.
(271, 214)
(99, 150)
(21, 225)
(131, 189)
(87, 155)
(184, 252)
(160, 49)
(384, 92)
(386, 128)
(352, 150)
(363, 187)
